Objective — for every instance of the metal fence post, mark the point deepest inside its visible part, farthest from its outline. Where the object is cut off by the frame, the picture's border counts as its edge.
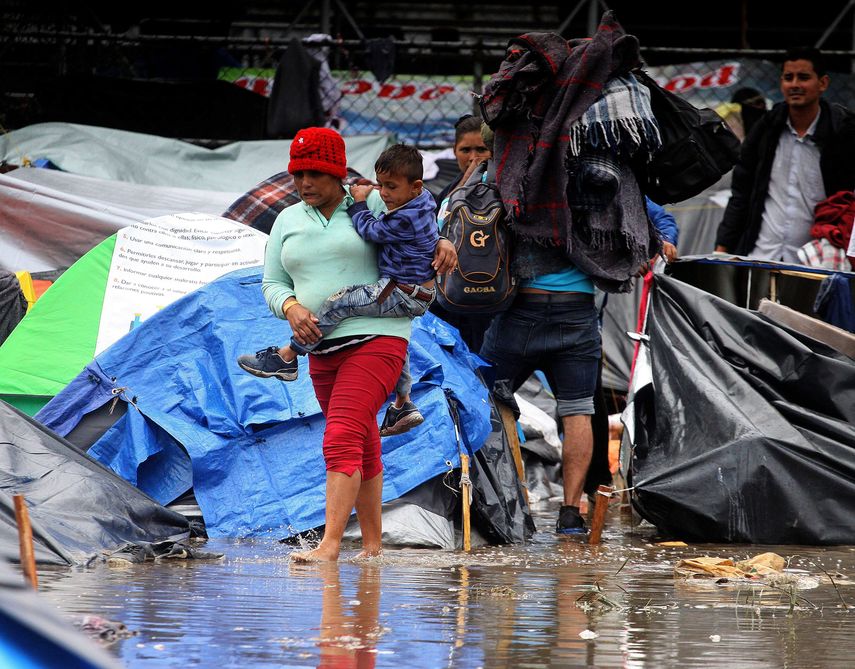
(477, 76)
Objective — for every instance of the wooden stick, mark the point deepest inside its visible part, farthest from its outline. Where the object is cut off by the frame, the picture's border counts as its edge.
(466, 488)
(25, 538)
(601, 505)
(510, 425)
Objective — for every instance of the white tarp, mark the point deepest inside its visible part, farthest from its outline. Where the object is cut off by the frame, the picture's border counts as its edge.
(49, 219)
(158, 161)
(110, 179)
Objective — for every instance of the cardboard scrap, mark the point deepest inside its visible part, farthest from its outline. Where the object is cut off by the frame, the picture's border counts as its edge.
(706, 566)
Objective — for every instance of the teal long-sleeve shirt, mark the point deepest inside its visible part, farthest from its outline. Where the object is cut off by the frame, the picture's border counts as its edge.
(310, 258)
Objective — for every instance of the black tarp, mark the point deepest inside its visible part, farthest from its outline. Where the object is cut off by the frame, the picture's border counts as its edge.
(697, 219)
(748, 432)
(499, 508)
(295, 98)
(77, 506)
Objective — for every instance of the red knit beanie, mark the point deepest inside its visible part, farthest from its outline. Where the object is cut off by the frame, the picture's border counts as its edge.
(318, 149)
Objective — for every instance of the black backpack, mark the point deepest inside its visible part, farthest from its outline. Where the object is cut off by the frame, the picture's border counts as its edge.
(697, 146)
(475, 224)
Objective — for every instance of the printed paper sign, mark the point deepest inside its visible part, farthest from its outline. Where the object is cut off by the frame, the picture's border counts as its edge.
(157, 261)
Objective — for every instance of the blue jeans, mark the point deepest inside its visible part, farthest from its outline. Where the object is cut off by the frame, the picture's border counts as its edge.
(558, 334)
(362, 300)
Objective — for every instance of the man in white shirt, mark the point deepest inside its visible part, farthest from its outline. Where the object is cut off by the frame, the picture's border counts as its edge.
(795, 156)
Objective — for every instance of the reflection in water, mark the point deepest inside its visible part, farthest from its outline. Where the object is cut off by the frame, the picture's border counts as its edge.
(505, 607)
(349, 628)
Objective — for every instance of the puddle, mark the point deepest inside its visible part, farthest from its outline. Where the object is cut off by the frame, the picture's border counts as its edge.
(553, 603)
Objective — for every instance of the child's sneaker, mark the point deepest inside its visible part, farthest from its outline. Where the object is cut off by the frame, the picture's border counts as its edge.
(570, 521)
(269, 363)
(398, 421)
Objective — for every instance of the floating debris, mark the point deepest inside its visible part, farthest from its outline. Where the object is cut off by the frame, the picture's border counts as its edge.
(762, 565)
(102, 630)
(497, 592)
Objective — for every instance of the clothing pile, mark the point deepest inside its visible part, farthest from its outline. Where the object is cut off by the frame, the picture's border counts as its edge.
(831, 232)
(571, 126)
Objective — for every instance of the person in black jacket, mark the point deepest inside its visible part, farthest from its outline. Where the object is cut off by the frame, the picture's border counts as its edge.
(796, 155)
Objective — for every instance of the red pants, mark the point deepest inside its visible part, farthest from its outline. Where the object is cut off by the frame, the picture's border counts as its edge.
(351, 386)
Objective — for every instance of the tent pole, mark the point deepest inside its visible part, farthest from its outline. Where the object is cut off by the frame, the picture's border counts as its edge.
(25, 538)
(748, 291)
(466, 489)
(510, 425)
(601, 505)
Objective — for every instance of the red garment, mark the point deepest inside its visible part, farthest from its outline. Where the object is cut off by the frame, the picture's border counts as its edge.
(318, 149)
(833, 219)
(351, 385)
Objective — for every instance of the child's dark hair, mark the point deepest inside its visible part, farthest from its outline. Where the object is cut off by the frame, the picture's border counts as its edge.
(811, 54)
(401, 160)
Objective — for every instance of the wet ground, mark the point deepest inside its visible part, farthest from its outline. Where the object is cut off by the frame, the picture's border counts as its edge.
(553, 603)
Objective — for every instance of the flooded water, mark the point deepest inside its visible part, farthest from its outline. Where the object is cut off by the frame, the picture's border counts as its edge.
(553, 603)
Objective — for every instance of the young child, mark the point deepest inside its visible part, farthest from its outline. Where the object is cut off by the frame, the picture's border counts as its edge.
(406, 235)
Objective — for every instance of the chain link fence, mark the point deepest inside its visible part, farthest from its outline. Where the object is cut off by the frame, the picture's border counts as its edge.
(414, 90)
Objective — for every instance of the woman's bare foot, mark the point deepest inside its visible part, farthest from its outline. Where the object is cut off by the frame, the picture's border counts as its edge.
(367, 553)
(319, 554)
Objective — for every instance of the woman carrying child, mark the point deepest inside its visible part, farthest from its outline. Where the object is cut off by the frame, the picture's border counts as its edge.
(314, 250)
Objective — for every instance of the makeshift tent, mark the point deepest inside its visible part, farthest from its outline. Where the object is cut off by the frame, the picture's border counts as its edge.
(739, 428)
(111, 178)
(196, 419)
(49, 219)
(34, 636)
(77, 506)
(157, 161)
(110, 290)
(430, 514)
(697, 219)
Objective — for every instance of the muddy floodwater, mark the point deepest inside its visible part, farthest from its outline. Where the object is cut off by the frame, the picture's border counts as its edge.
(553, 603)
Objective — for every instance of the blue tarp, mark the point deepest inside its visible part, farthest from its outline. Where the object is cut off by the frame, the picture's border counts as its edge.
(250, 447)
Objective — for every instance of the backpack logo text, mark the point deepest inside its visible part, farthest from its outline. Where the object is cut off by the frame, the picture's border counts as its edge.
(478, 239)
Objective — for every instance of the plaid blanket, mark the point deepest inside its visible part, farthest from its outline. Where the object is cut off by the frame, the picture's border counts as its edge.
(822, 253)
(542, 87)
(259, 206)
(620, 121)
(609, 245)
